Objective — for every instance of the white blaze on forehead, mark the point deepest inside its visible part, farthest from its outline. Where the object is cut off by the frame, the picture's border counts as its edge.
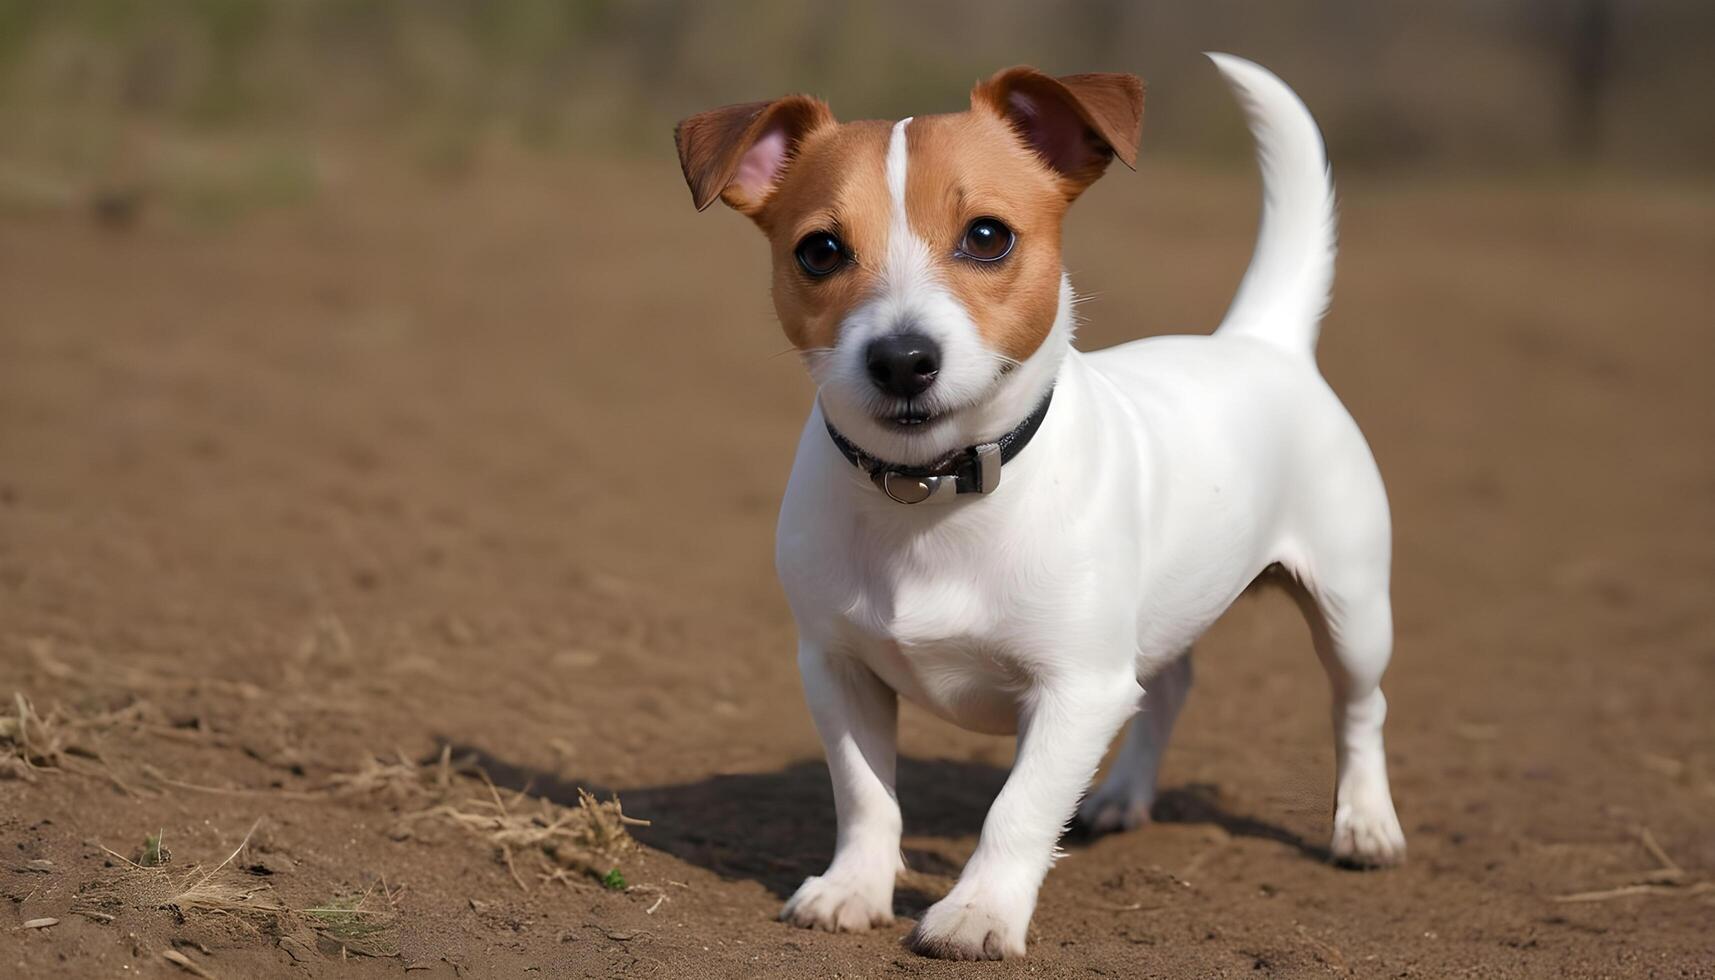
(908, 267)
(909, 296)
(896, 170)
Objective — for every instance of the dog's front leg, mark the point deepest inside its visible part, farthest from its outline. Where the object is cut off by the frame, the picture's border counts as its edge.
(857, 717)
(1065, 728)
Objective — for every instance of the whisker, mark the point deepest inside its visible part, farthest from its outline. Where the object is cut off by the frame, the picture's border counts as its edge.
(808, 353)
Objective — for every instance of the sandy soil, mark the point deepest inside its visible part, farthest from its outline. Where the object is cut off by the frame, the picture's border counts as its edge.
(495, 465)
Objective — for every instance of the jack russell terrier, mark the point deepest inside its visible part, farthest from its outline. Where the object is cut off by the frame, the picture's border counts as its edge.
(1020, 536)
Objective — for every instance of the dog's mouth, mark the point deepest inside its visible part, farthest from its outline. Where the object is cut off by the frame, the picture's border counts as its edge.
(930, 412)
(918, 416)
(910, 419)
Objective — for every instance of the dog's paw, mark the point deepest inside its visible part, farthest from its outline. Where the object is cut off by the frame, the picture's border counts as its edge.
(959, 929)
(1110, 810)
(1367, 833)
(837, 902)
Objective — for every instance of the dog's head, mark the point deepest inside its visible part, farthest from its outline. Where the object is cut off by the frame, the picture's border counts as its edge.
(917, 264)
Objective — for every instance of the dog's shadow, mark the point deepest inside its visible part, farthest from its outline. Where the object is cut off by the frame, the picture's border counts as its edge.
(777, 828)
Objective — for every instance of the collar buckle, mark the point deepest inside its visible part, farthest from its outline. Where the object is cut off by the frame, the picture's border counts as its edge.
(987, 470)
(980, 474)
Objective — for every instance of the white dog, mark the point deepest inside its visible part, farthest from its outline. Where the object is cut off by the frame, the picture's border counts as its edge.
(1020, 536)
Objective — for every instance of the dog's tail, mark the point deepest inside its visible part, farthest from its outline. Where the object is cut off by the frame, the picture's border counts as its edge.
(1286, 290)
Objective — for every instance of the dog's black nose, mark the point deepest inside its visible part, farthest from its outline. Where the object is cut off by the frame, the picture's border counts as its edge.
(903, 364)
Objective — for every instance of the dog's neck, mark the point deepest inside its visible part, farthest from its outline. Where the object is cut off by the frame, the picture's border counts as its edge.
(972, 470)
(1016, 395)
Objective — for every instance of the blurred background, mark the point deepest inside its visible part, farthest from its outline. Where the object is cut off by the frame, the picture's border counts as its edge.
(209, 106)
(369, 389)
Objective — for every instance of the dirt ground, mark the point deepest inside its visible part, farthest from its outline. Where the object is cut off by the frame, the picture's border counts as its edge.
(494, 464)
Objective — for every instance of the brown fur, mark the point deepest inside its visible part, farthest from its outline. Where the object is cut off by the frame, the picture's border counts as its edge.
(838, 183)
(988, 162)
(711, 144)
(968, 166)
(1104, 110)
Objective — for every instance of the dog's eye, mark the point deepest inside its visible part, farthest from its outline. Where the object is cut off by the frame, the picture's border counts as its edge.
(987, 240)
(820, 253)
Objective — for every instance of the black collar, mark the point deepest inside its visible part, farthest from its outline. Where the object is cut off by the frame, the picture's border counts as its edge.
(974, 469)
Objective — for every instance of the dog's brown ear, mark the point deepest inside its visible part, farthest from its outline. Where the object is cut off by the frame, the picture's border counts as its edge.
(739, 152)
(1076, 123)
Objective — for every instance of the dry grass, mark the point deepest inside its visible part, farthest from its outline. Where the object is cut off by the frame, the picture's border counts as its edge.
(64, 740)
(77, 742)
(586, 840)
(399, 780)
(361, 923)
(1667, 878)
(32, 743)
(554, 842)
(185, 963)
(565, 843)
(152, 884)
(28, 742)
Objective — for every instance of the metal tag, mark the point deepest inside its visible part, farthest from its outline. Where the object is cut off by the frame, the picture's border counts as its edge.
(910, 489)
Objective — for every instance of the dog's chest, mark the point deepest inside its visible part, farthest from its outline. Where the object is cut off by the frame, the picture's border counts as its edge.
(950, 619)
(939, 640)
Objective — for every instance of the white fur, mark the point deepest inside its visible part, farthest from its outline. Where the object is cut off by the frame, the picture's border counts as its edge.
(1168, 474)
(974, 397)
(1285, 291)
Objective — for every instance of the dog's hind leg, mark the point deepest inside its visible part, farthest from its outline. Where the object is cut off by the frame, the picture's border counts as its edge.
(1123, 799)
(1352, 625)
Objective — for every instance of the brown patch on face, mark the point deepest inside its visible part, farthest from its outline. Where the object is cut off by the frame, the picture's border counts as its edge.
(1028, 147)
(838, 184)
(968, 166)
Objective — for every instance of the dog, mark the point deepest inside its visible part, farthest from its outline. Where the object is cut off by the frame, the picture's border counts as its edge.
(1019, 536)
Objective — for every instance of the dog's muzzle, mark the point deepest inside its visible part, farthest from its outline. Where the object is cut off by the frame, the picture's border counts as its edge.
(974, 469)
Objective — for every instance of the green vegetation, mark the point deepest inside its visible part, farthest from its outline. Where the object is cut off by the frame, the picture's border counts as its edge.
(154, 855)
(358, 922)
(215, 108)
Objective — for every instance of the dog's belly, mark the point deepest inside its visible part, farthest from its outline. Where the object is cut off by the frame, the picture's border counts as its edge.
(959, 680)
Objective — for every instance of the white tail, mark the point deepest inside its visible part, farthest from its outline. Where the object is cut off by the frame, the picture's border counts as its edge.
(1286, 290)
